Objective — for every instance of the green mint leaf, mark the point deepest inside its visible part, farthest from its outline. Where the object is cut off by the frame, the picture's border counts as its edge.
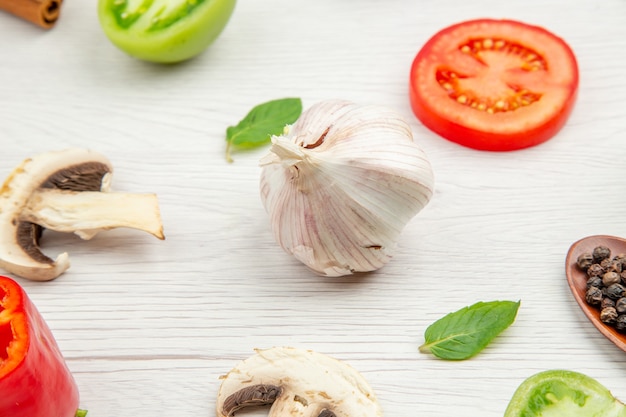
(464, 333)
(81, 413)
(263, 121)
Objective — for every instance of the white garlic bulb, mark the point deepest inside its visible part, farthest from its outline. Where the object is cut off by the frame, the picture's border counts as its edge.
(340, 185)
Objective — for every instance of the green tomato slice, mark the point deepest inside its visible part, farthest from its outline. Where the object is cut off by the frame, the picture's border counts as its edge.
(164, 31)
(559, 393)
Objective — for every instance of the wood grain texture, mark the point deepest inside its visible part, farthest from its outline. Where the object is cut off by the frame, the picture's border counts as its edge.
(148, 326)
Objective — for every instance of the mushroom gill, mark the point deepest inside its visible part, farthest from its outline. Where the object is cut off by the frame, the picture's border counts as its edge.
(65, 191)
(296, 383)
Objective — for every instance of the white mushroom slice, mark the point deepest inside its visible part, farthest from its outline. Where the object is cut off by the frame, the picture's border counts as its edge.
(296, 382)
(65, 191)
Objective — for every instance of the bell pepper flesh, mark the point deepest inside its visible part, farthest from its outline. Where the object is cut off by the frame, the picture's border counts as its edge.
(34, 378)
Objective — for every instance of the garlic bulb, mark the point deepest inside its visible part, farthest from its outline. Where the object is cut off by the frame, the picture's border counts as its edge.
(340, 185)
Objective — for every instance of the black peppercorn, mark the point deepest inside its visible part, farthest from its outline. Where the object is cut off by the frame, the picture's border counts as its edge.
(595, 270)
(620, 305)
(620, 323)
(607, 302)
(608, 315)
(584, 261)
(606, 285)
(615, 291)
(614, 266)
(620, 257)
(594, 282)
(611, 278)
(600, 253)
(605, 263)
(594, 296)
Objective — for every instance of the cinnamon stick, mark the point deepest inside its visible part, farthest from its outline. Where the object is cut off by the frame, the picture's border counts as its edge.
(43, 13)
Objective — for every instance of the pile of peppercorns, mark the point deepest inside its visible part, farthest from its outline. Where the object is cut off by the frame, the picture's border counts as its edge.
(606, 285)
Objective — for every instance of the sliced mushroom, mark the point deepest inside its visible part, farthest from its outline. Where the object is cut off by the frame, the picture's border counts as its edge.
(296, 382)
(65, 191)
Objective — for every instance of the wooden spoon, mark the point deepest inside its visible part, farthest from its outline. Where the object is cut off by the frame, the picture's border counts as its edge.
(577, 279)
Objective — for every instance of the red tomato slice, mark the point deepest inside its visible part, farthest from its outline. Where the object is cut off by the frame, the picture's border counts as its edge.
(496, 85)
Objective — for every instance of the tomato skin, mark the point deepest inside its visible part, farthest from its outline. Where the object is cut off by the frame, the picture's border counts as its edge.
(558, 392)
(187, 37)
(518, 128)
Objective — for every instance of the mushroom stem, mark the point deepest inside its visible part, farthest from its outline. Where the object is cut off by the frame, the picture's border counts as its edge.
(66, 191)
(85, 213)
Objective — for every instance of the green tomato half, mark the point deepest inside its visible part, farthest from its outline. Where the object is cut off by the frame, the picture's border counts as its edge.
(560, 393)
(164, 31)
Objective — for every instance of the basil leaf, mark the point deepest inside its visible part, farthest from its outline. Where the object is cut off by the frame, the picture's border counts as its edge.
(464, 333)
(263, 121)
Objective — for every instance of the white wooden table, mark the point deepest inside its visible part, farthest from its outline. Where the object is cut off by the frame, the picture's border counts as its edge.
(148, 326)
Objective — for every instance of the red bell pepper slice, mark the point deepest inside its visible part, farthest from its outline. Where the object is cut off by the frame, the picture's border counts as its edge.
(34, 379)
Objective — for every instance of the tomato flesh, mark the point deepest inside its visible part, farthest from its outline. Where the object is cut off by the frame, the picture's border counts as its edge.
(165, 31)
(556, 393)
(495, 85)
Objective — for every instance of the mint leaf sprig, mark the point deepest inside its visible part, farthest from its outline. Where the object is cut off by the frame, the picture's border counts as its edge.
(464, 333)
(263, 121)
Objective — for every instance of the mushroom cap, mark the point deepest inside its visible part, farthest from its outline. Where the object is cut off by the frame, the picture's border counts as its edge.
(296, 382)
(71, 169)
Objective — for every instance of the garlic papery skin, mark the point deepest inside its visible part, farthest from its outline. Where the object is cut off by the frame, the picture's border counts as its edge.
(341, 184)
